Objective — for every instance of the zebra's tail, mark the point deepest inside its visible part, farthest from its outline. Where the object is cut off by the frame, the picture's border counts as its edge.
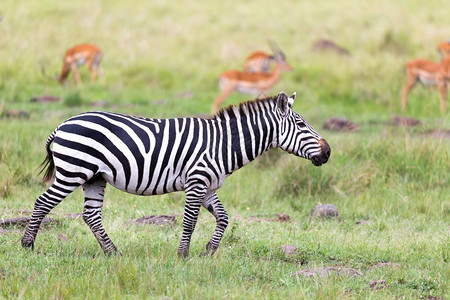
(48, 164)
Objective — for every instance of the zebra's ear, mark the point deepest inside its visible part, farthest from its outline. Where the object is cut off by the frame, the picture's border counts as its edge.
(291, 99)
(284, 103)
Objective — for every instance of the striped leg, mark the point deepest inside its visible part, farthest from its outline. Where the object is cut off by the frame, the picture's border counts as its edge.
(92, 213)
(194, 199)
(43, 205)
(213, 205)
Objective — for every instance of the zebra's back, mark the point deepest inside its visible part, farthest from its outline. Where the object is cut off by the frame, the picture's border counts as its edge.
(136, 155)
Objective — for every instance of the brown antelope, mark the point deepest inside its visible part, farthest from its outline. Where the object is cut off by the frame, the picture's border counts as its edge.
(429, 73)
(258, 62)
(90, 55)
(250, 83)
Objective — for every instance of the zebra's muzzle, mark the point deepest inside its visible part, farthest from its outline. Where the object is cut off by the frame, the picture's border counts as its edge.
(325, 153)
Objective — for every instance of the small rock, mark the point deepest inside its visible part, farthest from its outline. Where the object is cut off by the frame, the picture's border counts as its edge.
(404, 121)
(377, 284)
(289, 250)
(45, 99)
(325, 210)
(63, 237)
(283, 217)
(328, 45)
(16, 113)
(339, 124)
(165, 220)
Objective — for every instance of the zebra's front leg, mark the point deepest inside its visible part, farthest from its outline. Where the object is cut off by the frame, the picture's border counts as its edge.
(92, 213)
(215, 207)
(194, 198)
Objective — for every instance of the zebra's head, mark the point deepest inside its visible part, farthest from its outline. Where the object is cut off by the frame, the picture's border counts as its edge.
(297, 136)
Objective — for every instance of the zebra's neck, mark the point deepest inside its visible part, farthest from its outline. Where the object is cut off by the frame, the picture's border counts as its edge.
(245, 132)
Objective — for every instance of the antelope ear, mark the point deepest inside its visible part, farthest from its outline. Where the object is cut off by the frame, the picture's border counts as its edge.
(283, 103)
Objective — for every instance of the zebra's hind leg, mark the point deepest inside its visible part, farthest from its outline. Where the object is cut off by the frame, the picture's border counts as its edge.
(94, 191)
(215, 207)
(43, 205)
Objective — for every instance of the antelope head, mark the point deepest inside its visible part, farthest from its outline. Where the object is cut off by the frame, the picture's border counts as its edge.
(279, 56)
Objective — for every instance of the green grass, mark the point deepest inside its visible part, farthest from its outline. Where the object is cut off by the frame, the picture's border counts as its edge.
(394, 180)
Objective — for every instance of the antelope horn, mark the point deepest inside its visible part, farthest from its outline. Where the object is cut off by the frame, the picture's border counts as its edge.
(275, 48)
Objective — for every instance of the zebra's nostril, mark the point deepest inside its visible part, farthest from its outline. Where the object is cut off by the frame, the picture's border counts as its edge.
(326, 150)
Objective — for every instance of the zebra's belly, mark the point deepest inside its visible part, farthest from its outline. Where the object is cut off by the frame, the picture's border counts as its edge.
(146, 187)
(75, 166)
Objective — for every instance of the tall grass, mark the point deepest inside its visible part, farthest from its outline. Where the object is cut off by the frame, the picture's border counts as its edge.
(159, 49)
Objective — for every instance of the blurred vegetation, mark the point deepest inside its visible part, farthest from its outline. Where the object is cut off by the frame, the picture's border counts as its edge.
(163, 59)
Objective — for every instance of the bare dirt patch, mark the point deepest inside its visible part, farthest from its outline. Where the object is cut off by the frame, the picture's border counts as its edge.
(164, 220)
(404, 121)
(15, 114)
(325, 211)
(328, 45)
(45, 99)
(290, 250)
(439, 133)
(22, 222)
(279, 218)
(62, 237)
(326, 271)
(377, 284)
(339, 124)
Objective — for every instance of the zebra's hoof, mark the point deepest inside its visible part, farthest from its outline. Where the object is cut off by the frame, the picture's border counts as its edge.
(211, 248)
(28, 244)
(111, 252)
(207, 253)
(183, 254)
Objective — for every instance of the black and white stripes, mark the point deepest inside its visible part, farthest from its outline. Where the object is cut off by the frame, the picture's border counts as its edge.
(157, 156)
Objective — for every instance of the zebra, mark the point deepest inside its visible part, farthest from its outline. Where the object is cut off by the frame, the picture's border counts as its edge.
(156, 156)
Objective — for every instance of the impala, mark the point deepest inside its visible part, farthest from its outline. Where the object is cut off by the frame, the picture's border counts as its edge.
(444, 49)
(429, 73)
(251, 83)
(90, 55)
(258, 62)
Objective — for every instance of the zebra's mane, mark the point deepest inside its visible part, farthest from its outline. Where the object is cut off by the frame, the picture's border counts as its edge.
(243, 107)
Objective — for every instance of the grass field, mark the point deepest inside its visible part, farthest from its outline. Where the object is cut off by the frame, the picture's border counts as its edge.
(162, 59)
